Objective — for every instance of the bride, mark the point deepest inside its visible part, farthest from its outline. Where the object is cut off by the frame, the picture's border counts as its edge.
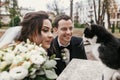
(35, 26)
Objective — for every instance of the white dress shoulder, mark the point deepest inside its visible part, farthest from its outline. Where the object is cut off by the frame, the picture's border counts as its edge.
(10, 35)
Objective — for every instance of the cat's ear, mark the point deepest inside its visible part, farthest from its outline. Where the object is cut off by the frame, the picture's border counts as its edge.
(88, 25)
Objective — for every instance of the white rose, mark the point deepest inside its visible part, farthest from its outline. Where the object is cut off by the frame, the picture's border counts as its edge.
(37, 59)
(23, 49)
(33, 52)
(3, 65)
(26, 65)
(18, 73)
(17, 59)
(9, 49)
(42, 50)
(30, 47)
(5, 76)
(8, 57)
(1, 54)
(27, 55)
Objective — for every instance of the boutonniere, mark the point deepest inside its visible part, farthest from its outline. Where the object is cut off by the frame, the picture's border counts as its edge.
(65, 55)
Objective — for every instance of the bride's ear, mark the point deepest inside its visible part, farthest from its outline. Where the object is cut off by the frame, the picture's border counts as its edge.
(55, 31)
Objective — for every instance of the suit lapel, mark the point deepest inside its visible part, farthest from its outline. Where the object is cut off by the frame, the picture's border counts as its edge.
(74, 49)
(60, 63)
(57, 49)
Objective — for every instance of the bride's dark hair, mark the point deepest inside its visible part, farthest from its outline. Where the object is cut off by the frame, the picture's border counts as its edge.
(32, 24)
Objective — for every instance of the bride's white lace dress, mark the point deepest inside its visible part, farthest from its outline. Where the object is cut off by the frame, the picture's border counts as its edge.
(10, 35)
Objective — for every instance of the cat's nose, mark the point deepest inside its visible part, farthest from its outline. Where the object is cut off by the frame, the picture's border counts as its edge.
(86, 42)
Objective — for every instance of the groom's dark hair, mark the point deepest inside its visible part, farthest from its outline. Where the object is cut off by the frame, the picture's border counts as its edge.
(32, 24)
(60, 17)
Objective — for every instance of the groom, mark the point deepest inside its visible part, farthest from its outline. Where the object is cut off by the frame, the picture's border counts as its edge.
(63, 27)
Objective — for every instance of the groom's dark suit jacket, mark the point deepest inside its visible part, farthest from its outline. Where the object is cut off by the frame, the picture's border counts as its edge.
(76, 51)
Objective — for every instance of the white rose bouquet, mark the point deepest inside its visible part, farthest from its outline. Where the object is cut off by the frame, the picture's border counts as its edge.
(26, 61)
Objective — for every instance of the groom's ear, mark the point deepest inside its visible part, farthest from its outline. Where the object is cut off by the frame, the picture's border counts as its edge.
(55, 29)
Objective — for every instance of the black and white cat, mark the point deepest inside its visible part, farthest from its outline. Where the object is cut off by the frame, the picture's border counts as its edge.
(107, 48)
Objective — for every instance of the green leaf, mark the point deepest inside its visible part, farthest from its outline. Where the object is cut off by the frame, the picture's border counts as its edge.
(53, 56)
(50, 74)
(50, 64)
(40, 78)
(37, 78)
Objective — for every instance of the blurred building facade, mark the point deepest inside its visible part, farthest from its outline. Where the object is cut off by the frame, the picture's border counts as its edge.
(5, 15)
(84, 13)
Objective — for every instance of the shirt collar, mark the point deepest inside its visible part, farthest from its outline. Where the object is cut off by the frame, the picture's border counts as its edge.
(61, 44)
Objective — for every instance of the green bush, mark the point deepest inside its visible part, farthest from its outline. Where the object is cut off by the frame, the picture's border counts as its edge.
(15, 21)
(113, 28)
(78, 25)
(0, 24)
